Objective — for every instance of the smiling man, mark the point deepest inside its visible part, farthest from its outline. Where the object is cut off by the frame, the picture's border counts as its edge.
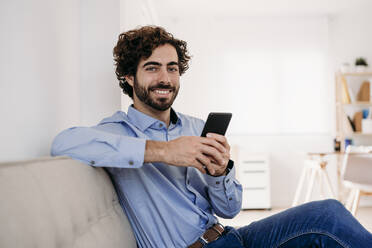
(157, 162)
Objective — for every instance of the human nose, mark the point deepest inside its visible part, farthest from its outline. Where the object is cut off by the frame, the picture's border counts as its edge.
(164, 76)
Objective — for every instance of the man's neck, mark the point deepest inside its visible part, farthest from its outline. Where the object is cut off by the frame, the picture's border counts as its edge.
(163, 116)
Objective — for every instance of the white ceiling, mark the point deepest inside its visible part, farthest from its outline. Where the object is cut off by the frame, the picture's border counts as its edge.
(228, 8)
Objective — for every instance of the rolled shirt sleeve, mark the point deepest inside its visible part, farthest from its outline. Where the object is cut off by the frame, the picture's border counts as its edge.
(100, 148)
(225, 193)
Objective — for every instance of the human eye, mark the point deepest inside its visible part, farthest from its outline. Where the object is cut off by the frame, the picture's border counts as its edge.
(151, 68)
(173, 69)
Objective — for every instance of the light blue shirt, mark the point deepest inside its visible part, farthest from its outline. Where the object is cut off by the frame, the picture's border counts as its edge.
(167, 206)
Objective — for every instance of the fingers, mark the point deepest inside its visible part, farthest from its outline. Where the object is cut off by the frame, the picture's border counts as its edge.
(208, 164)
(213, 153)
(212, 142)
(220, 143)
(221, 139)
(198, 165)
(203, 153)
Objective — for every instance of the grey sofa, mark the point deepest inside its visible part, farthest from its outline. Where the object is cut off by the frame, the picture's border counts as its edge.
(59, 202)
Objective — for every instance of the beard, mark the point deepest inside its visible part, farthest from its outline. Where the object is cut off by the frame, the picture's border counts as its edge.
(161, 104)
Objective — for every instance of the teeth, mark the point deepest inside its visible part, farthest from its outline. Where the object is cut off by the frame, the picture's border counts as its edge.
(162, 91)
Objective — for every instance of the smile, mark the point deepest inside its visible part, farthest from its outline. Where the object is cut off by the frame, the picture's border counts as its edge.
(162, 91)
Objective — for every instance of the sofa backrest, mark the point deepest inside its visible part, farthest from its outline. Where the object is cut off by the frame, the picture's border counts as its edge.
(60, 202)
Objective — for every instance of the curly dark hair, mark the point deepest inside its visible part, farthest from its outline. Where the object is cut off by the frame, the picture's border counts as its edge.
(138, 44)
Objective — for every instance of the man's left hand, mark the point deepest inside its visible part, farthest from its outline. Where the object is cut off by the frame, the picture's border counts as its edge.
(221, 168)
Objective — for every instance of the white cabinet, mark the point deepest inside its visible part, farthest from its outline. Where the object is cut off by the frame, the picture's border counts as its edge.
(253, 172)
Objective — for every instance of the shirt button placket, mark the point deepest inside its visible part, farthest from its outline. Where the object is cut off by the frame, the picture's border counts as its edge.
(167, 135)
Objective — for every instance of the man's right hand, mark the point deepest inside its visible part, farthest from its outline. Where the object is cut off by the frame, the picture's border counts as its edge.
(187, 151)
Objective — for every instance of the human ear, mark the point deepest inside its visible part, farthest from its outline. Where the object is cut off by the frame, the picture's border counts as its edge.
(130, 80)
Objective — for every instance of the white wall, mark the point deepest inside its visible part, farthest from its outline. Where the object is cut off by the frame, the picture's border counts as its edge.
(270, 71)
(99, 91)
(56, 70)
(351, 37)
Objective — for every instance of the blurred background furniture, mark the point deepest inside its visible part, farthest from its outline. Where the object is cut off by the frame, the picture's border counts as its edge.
(253, 172)
(356, 174)
(60, 202)
(349, 107)
(314, 172)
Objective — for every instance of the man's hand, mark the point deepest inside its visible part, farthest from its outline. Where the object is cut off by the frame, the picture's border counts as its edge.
(221, 169)
(212, 152)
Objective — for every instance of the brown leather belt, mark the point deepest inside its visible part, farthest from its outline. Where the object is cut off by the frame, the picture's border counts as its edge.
(209, 235)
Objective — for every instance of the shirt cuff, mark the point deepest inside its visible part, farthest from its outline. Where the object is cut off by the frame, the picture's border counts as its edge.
(225, 181)
(134, 151)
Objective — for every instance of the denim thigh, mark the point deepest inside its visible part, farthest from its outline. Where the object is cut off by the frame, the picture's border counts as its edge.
(316, 224)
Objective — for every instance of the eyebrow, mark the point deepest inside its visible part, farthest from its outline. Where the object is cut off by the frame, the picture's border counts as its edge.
(159, 64)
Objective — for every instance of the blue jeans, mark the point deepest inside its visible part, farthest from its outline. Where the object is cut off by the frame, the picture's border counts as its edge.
(316, 224)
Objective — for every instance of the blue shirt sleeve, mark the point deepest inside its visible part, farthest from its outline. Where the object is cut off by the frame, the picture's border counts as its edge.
(225, 194)
(100, 148)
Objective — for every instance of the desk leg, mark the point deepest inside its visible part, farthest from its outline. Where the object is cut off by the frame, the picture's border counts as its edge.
(342, 193)
(311, 184)
(300, 186)
(328, 183)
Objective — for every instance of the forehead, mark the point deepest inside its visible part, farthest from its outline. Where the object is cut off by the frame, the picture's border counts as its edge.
(163, 54)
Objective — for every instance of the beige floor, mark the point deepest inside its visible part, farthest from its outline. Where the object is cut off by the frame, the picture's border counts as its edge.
(364, 215)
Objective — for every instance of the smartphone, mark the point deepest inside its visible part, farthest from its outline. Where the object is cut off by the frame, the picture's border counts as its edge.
(216, 123)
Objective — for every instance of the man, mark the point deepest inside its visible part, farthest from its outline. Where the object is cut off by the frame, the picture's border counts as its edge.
(158, 162)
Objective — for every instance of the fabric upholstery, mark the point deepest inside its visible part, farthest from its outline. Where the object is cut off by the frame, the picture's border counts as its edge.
(59, 202)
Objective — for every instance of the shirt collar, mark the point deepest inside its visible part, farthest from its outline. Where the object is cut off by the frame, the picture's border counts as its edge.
(143, 121)
(119, 116)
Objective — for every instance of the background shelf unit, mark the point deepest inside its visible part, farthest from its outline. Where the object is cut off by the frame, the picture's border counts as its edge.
(343, 128)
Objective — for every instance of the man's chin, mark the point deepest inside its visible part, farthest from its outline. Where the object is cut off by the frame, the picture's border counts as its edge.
(160, 106)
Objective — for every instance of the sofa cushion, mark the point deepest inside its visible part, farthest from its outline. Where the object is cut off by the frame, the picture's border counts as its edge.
(60, 202)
